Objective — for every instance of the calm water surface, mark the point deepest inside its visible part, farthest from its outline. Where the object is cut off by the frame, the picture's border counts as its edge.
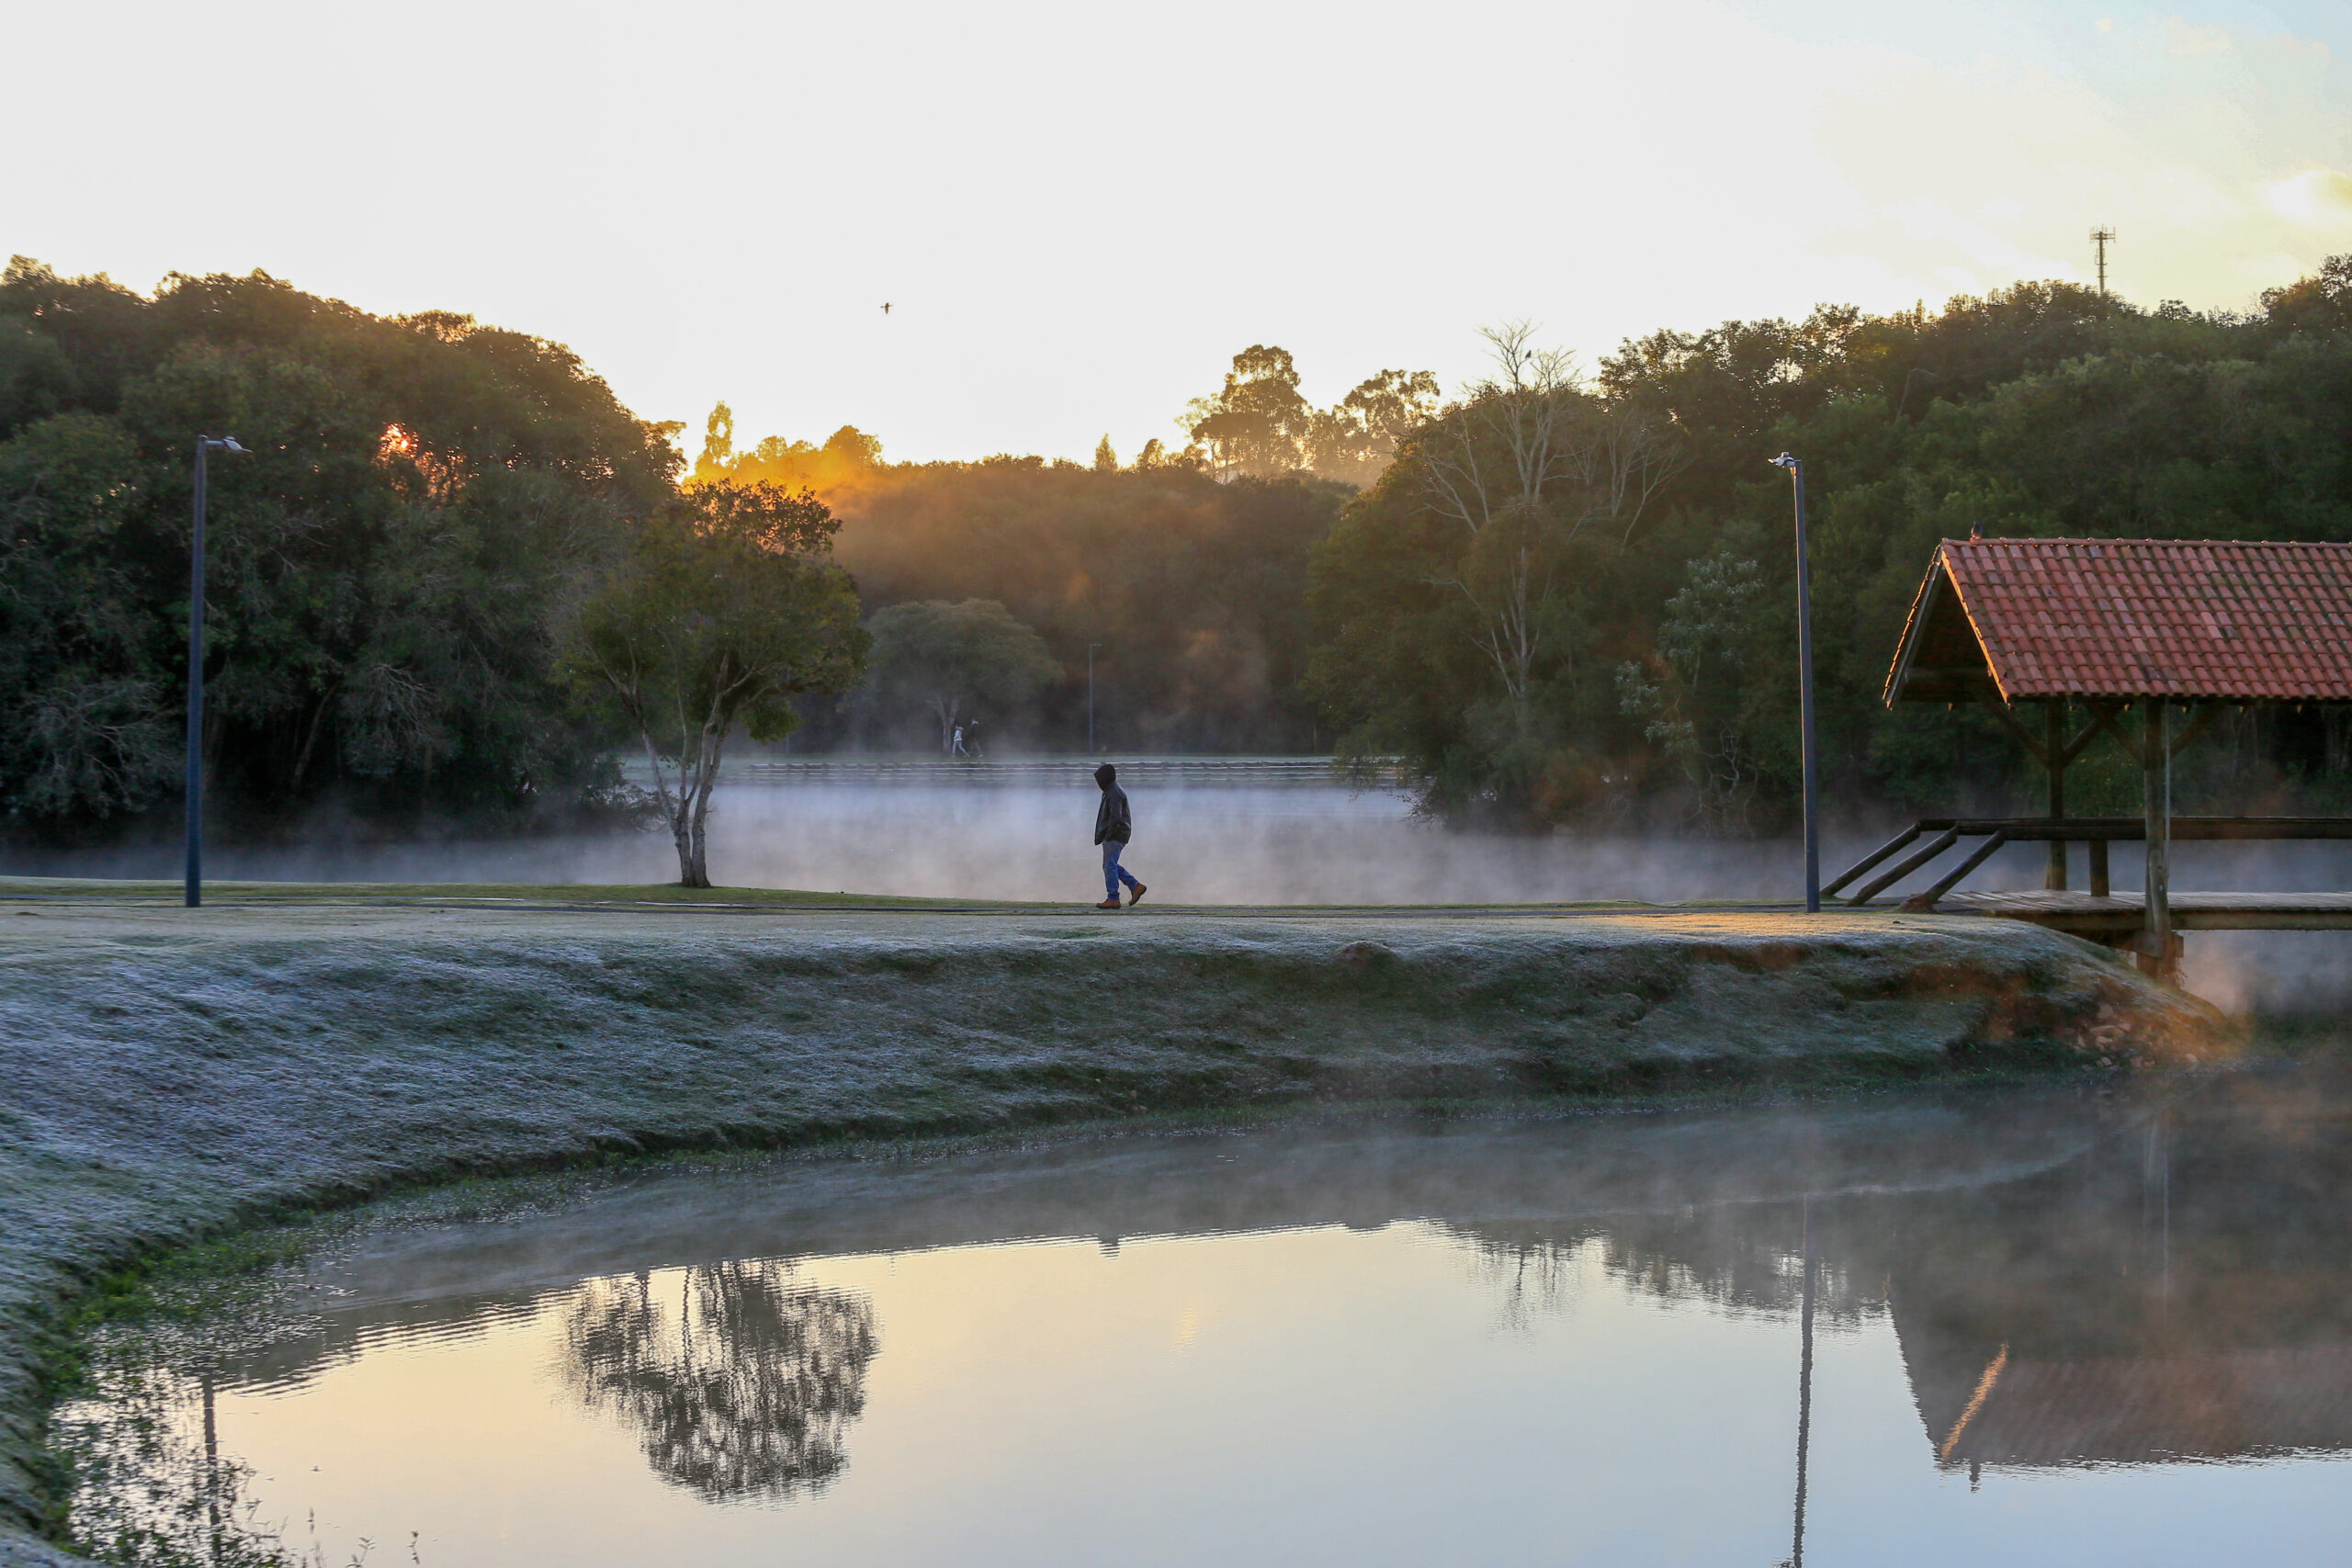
(2054, 1328)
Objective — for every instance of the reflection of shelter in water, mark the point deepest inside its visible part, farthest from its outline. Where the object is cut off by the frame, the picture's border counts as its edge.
(2240, 1402)
(2182, 1293)
(2176, 1288)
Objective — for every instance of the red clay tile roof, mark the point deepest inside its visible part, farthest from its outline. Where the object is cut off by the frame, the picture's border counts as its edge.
(2192, 618)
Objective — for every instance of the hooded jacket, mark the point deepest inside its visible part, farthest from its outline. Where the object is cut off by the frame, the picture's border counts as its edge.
(1112, 819)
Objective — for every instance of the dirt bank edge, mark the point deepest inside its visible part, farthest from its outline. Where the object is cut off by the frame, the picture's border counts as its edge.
(174, 1072)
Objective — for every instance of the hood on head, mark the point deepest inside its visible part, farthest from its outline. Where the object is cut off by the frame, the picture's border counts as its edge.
(1104, 774)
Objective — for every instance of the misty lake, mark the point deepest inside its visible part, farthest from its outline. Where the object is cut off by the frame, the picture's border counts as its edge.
(1208, 832)
(2055, 1327)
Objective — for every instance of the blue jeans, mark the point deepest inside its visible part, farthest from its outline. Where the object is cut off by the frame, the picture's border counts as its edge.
(1112, 872)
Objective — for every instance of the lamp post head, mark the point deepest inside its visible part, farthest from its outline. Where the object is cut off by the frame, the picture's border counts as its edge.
(221, 444)
(1782, 461)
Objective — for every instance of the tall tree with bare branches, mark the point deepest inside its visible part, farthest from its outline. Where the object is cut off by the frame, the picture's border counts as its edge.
(1525, 464)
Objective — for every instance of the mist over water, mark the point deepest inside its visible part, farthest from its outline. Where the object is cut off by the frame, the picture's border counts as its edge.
(1193, 845)
(2047, 1329)
(1246, 844)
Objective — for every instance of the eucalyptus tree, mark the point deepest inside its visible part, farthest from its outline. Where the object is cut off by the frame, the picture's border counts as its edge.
(1257, 424)
(1356, 440)
(1523, 465)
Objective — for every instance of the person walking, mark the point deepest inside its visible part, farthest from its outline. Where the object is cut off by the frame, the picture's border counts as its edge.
(1113, 826)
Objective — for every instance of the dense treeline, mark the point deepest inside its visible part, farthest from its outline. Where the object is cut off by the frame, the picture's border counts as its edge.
(386, 565)
(1193, 591)
(1565, 598)
(1572, 601)
(427, 503)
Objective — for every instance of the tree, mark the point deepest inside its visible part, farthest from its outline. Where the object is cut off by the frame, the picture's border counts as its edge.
(1106, 461)
(848, 455)
(952, 657)
(1574, 602)
(717, 443)
(420, 495)
(1354, 441)
(727, 608)
(854, 447)
(89, 737)
(1523, 465)
(1195, 590)
(1702, 641)
(1258, 424)
(2321, 302)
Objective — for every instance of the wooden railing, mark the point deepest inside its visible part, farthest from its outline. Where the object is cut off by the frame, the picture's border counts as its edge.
(1992, 832)
(1077, 772)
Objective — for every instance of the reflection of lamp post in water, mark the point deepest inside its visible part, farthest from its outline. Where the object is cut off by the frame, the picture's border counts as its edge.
(211, 1468)
(1804, 1386)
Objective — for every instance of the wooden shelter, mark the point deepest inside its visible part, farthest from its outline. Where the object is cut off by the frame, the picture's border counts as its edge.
(2174, 629)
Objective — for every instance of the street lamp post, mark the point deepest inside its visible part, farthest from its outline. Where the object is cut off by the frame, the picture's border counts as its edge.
(1089, 696)
(1805, 694)
(204, 444)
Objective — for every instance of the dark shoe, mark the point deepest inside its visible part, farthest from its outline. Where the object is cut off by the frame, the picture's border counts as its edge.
(1135, 893)
(1108, 904)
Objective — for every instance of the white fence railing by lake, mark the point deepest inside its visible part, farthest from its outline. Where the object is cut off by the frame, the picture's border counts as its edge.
(1256, 773)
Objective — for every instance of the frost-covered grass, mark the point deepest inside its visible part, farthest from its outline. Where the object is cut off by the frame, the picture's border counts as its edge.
(36, 890)
(172, 1073)
(99, 890)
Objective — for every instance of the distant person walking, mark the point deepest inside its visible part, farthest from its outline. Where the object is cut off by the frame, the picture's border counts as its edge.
(1113, 826)
(957, 748)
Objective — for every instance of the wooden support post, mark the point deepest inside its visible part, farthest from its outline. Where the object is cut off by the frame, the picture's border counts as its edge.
(2099, 868)
(2053, 757)
(2155, 748)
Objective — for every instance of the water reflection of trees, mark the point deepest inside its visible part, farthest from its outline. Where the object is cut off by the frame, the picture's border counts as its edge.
(149, 1485)
(742, 1384)
(1741, 1257)
(2180, 1288)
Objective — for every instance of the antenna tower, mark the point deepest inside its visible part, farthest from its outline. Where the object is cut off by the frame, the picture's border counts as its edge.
(2102, 238)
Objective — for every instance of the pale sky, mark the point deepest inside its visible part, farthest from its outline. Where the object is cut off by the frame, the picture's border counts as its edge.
(1079, 213)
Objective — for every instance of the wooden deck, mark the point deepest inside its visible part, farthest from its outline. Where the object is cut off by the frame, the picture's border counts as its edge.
(2120, 914)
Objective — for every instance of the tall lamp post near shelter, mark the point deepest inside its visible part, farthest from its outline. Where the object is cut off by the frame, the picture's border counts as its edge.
(204, 444)
(1805, 694)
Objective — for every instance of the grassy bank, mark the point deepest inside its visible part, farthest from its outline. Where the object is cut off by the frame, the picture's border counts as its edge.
(175, 1072)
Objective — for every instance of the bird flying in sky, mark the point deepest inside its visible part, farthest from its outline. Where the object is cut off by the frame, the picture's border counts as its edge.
(885, 306)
